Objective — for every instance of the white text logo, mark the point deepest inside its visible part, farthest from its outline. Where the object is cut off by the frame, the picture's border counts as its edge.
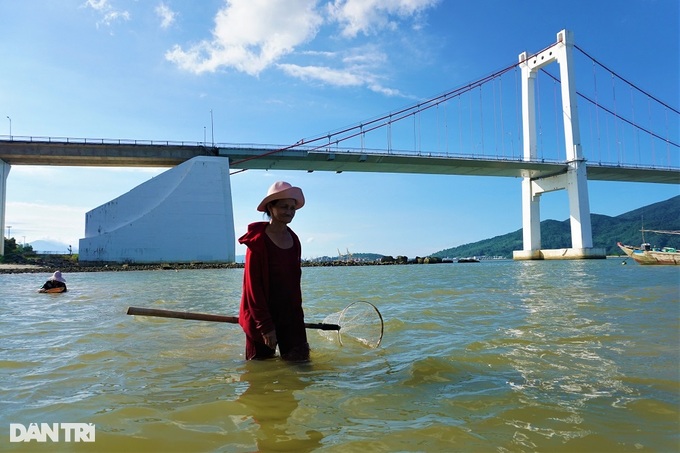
(56, 432)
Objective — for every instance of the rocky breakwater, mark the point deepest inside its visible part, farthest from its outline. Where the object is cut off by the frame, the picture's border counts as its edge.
(385, 260)
(417, 260)
(67, 264)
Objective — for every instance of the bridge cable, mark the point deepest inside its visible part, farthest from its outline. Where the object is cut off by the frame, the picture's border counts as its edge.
(621, 78)
(650, 96)
(616, 125)
(481, 119)
(518, 116)
(666, 140)
(460, 124)
(649, 111)
(495, 120)
(381, 121)
(597, 115)
(637, 132)
(500, 106)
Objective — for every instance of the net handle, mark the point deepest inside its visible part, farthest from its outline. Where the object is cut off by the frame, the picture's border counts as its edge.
(208, 317)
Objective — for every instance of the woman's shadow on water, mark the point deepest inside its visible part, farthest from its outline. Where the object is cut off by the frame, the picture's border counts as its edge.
(270, 400)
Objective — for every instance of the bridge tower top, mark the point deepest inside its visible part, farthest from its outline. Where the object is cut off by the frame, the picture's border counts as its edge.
(560, 52)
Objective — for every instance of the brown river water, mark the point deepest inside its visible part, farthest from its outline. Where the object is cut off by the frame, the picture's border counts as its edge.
(498, 356)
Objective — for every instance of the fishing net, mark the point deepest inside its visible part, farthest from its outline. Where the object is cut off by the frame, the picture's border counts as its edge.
(359, 322)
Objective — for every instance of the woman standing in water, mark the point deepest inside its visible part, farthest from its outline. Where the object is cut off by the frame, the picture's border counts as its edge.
(271, 304)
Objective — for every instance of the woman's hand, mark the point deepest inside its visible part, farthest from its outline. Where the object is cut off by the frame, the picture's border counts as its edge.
(270, 339)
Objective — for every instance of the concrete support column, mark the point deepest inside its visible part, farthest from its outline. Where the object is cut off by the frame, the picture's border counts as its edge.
(531, 218)
(579, 206)
(4, 172)
(577, 179)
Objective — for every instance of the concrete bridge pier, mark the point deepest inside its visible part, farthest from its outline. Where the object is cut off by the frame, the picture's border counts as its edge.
(4, 172)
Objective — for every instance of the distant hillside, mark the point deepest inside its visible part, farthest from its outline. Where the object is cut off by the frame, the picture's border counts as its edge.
(351, 257)
(47, 246)
(607, 231)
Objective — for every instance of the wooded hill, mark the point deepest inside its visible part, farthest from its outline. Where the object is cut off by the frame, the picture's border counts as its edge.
(607, 231)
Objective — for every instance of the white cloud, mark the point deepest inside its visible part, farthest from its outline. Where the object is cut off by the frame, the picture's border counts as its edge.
(109, 13)
(324, 74)
(318, 53)
(166, 15)
(337, 77)
(251, 35)
(98, 5)
(371, 16)
(359, 67)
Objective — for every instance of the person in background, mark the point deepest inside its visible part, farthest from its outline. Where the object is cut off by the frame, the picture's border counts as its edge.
(271, 312)
(55, 284)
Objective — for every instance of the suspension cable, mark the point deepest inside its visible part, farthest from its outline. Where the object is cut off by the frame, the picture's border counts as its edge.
(616, 125)
(557, 120)
(665, 139)
(597, 116)
(382, 121)
(621, 78)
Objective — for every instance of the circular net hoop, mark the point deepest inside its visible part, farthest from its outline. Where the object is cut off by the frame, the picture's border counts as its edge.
(360, 322)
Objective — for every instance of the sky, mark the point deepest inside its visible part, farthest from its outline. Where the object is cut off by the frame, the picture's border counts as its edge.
(277, 71)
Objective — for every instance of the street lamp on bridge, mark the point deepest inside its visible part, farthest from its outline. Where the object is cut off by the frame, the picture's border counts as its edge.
(10, 127)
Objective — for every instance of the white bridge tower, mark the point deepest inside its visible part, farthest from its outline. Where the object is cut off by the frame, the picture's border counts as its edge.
(574, 180)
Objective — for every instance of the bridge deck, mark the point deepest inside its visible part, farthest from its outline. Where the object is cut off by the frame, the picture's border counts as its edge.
(77, 154)
(167, 155)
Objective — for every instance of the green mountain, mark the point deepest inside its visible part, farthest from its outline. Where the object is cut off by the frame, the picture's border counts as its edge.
(607, 231)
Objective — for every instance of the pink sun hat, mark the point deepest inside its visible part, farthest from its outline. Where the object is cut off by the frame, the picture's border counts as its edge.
(280, 190)
(57, 276)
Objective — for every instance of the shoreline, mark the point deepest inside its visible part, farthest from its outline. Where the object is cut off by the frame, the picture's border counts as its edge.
(70, 267)
(48, 268)
(16, 267)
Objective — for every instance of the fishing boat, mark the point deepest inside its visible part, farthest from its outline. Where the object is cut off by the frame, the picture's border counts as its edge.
(468, 260)
(646, 254)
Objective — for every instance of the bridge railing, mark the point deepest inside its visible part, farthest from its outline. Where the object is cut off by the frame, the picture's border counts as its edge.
(102, 141)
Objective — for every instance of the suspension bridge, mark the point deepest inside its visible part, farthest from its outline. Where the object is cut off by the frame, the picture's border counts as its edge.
(527, 120)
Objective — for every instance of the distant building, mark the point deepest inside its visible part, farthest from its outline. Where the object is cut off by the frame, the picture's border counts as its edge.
(182, 215)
